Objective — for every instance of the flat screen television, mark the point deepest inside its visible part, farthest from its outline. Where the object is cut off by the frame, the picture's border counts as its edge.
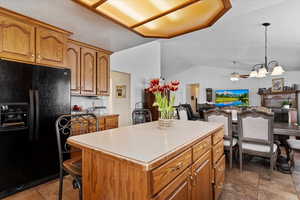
(232, 97)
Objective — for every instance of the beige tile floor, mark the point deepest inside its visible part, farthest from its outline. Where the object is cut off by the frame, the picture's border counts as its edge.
(251, 184)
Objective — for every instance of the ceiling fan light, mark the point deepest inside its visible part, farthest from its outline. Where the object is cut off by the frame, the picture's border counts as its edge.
(278, 70)
(253, 74)
(234, 76)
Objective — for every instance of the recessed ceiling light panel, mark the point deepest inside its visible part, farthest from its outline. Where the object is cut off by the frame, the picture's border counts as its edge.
(160, 18)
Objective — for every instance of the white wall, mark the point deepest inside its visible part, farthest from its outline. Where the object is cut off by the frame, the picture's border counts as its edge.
(117, 105)
(142, 63)
(217, 78)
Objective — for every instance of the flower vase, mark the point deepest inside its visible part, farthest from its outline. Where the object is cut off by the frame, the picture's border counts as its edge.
(165, 123)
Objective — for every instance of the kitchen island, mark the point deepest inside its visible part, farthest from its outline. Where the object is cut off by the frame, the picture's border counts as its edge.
(142, 162)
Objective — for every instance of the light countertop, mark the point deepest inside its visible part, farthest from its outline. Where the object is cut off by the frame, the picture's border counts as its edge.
(145, 143)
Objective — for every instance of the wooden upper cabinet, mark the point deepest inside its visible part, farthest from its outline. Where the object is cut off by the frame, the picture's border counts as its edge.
(73, 63)
(88, 71)
(51, 47)
(17, 39)
(103, 74)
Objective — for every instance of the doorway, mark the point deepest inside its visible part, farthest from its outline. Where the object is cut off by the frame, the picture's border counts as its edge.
(192, 95)
(119, 100)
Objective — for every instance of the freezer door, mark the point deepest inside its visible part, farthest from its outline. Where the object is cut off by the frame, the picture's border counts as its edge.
(15, 81)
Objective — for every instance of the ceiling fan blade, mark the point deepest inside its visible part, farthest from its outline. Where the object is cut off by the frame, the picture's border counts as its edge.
(244, 75)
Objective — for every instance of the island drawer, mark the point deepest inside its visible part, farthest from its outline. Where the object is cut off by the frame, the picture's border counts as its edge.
(218, 151)
(219, 169)
(200, 148)
(217, 136)
(163, 175)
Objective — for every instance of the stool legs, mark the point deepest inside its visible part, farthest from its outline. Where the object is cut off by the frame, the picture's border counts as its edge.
(61, 181)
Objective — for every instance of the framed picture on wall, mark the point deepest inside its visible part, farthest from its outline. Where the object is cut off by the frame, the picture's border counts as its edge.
(121, 91)
(277, 84)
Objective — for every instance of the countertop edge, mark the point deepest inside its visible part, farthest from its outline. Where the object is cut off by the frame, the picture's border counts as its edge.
(153, 163)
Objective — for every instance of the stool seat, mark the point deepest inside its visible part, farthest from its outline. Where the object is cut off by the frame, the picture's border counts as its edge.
(74, 166)
(294, 144)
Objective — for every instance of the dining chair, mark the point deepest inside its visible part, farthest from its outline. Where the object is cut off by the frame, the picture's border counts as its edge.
(190, 114)
(182, 113)
(66, 126)
(256, 136)
(225, 118)
(294, 145)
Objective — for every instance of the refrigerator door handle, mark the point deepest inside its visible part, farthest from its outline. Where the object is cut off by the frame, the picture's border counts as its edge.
(37, 114)
(31, 115)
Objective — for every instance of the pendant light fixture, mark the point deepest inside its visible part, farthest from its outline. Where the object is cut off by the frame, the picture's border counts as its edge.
(273, 67)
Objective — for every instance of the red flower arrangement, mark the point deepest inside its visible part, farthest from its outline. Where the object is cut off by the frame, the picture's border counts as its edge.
(156, 87)
(161, 91)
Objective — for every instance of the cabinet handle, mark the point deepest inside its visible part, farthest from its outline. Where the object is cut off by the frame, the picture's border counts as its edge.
(195, 179)
(32, 55)
(173, 169)
(39, 56)
(177, 167)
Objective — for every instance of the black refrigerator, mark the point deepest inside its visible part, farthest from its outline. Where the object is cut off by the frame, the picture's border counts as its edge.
(31, 98)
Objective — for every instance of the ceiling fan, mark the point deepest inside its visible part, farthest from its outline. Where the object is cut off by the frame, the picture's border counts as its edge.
(235, 76)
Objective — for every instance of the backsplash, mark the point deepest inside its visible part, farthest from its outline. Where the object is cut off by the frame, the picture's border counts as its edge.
(88, 102)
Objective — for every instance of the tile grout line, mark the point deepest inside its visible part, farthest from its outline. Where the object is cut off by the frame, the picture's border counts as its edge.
(40, 194)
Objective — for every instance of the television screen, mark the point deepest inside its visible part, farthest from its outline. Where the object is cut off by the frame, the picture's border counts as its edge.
(232, 97)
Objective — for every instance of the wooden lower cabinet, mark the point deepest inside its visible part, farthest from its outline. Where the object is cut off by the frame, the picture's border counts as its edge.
(111, 122)
(179, 189)
(218, 164)
(104, 122)
(201, 182)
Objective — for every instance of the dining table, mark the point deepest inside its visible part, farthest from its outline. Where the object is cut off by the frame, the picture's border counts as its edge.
(282, 132)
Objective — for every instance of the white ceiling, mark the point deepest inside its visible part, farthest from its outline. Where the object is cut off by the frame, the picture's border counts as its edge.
(236, 36)
(239, 36)
(86, 25)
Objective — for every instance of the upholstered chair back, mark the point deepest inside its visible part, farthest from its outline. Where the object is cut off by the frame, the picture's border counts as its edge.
(182, 113)
(255, 126)
(220, 119)
(223, 117)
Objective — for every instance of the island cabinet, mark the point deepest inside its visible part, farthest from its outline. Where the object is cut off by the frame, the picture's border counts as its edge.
(90, 69)
(218, 163)
(28, 40)
(144, 162)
